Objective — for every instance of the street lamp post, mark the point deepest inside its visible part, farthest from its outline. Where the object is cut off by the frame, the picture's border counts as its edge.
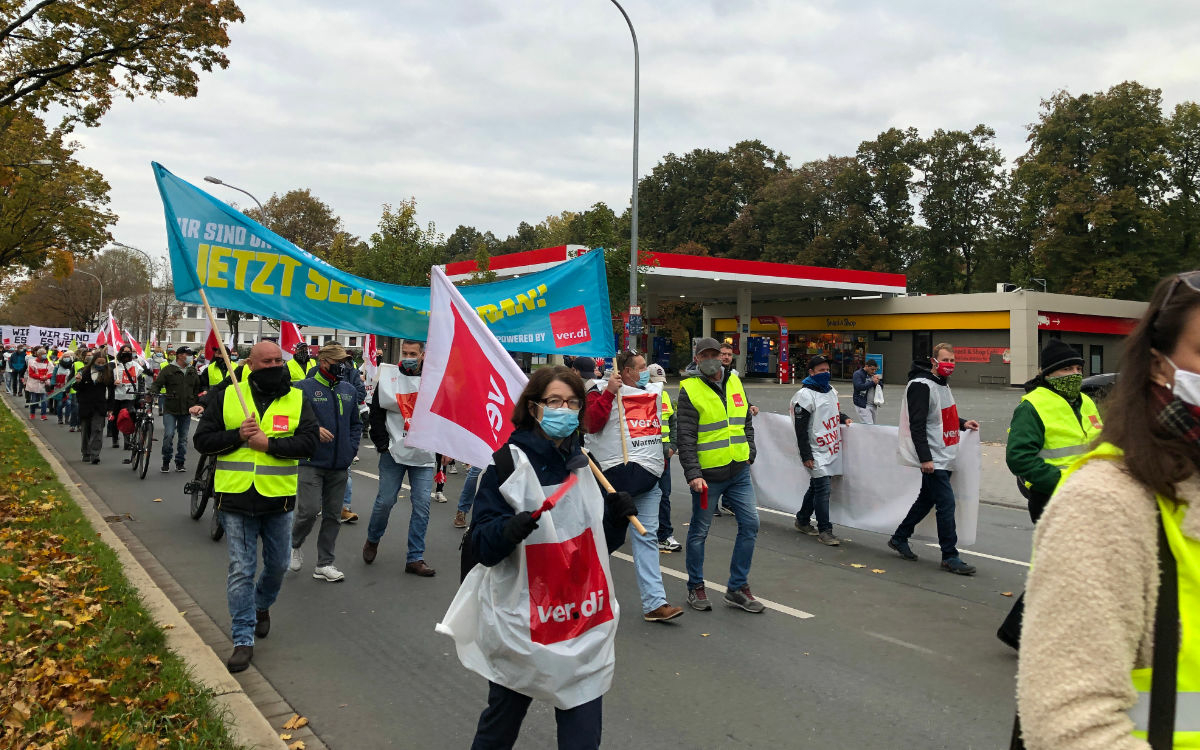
(265, 218)
(149, 290)
(633, 233)
(100, 313)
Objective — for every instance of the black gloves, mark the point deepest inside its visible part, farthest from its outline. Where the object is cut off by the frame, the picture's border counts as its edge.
(620, 504)
(518, 527)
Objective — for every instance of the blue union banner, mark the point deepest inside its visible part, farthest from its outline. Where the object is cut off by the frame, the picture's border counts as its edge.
(242, 265)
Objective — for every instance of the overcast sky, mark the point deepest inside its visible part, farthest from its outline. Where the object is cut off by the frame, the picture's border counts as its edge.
(493, 112)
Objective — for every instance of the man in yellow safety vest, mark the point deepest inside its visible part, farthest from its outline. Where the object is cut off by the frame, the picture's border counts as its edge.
(255, 485)
(299, 366)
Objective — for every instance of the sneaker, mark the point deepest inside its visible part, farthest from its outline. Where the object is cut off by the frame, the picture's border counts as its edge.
(348, 516)
(44, 417)
(30, 417)
(297, 559)
(663, 613)
(166, 467)
(452, 469)
(805, 528)
(956, 565)
(698, 599)
(902, 548)
(828, 539)
(179, 468)
(355, 460)
(241, 658)
(95, 460)
(717, 511)
(460, 520)
(328, 573)
(743, 599)
(127, 460)
(438, 496)
(669, 545)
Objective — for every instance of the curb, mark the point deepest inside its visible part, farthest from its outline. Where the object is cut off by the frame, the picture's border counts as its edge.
(247, 725)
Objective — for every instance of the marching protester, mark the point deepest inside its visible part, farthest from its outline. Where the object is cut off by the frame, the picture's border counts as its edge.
(255, 485)
(866, 380)
(716, 448)
(623, 430)
(929, 436)
(818, 421)
(1110, 650)
(58, 388)
(730, 370)
(37, 378)
(387, 432)
(5, 355)
(93, 390)
(216, 373)
(586, 367)
(666, 533)
(126, 376)
(16, 369)
(299, 366)
(182, 384)
(82, 360)
(354, 378)
(466, 498)
(323, 475)
(545, 442)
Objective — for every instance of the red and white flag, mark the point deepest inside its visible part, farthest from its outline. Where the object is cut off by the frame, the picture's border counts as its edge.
(469, 383)
(154, 338)
(370, 365)
(289, 337)
(110, 335)
(212, 343)
(137, 349)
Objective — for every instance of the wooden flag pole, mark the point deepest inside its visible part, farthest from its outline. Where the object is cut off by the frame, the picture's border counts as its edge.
(603, 480)
(212, 319)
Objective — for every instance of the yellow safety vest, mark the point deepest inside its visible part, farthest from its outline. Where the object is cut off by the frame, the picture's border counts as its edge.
(667, 410)
(1066, 437)
(1187, 560)
(721, 432)
(271, 476)
(76, 366)
(300, 373)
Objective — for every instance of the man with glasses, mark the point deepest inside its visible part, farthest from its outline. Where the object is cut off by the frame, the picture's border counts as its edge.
(929, 436)
(624, 433)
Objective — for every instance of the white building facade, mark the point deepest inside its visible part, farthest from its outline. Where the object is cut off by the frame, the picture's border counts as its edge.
(190, 326)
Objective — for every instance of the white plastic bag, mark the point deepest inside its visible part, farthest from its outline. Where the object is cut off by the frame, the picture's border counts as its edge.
(543, 622)
(878, 394)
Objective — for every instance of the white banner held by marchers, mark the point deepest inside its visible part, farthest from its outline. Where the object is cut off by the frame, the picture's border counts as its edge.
(469, 383)
(874, 492)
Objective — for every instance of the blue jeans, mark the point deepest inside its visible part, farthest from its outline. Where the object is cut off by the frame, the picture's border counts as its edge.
(175, 429)
(645, 551)
(817, 498)
(36, 399)
(245, 597)
(500, 723)
(739, 493)
(466, 498)
(664, 505)
(936, 492)
(391, 476)
(349, 489)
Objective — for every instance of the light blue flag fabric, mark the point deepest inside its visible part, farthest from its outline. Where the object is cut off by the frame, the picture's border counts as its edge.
(242, 265)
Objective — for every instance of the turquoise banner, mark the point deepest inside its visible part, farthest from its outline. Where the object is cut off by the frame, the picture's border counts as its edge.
(244, 266)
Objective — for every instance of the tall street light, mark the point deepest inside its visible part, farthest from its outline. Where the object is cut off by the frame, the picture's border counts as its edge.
(100, 314)
(265, 218)
(633, 233)
(150, 281)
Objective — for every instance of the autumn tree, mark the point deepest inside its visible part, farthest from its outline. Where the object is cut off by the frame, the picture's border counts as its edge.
(77, 54)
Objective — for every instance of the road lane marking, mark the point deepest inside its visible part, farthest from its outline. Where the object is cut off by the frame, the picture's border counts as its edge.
(990, 557)
(899, 642)
(797, 613)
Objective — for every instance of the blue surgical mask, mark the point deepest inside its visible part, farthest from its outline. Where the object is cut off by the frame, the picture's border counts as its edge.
(408, 364)
(559, 423)
(820, 378)
(643, 378)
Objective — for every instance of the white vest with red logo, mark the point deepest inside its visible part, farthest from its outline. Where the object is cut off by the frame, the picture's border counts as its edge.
(941, 427)
(398, 397)
(824, 430)
(642, 431)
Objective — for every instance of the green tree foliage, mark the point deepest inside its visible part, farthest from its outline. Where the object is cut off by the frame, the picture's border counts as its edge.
(889, 159)
(401, 251)
(76, 54)
(309, 223)
(1182, 208)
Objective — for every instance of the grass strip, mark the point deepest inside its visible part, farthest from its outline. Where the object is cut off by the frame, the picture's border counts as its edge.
(82, 665)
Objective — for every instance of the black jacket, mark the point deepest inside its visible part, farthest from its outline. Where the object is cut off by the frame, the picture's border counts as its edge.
(491, 511)
(182, 386)
(93, 393)
(917, 396)
(213, 439)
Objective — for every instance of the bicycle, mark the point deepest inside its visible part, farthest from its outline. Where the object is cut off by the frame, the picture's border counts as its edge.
(200, 490)
(142, 441)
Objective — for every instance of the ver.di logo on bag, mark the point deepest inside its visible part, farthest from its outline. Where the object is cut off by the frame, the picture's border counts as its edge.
(950, 425)
(568, 591)
(641, 415)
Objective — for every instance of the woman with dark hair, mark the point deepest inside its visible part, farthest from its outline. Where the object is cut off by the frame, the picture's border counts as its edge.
(1104, 662)
(547, 439)
(93, 390)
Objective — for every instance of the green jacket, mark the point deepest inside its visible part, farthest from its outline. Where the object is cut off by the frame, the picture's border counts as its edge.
(181, 386)
(1026, 437)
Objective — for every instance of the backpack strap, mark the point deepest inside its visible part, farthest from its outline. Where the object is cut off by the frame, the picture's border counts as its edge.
(502, 459)
(1163, 680)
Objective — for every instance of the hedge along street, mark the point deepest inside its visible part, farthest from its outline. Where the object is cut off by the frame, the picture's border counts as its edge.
(81, 660)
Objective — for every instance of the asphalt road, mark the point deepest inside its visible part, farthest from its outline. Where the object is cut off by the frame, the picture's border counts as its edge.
(895, 654)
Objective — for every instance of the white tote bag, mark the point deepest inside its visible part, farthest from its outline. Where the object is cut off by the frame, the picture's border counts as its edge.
(878, 394)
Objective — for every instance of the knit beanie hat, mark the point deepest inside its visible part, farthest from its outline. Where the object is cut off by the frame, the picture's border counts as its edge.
(1058, 354)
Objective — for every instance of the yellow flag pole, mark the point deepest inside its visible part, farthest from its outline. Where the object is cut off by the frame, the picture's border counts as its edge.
(212, 319)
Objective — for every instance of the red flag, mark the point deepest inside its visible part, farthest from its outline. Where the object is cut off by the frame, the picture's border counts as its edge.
(469, 383)
(212, 343)
(289, 337)
(112, 334)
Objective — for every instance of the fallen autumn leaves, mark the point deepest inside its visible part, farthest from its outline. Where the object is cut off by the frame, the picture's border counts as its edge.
(81, 663)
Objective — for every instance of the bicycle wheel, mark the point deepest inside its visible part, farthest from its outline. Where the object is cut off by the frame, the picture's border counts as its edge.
(198, 488)
(147, 443)
(135, 451)
(216, 529)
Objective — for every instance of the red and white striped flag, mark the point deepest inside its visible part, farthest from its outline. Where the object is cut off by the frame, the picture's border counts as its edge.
(469, 383)
(289, 337)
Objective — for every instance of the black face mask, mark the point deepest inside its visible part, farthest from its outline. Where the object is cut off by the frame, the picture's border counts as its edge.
(125, 357)
(272, 381)
(335, 371)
